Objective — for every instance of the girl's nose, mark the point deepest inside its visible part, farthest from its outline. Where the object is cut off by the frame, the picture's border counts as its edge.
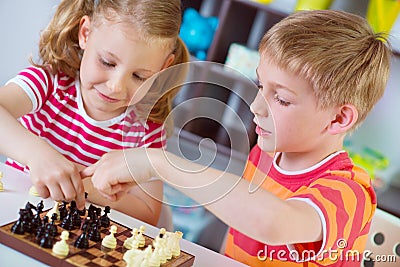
(259, 106)
(116, 84)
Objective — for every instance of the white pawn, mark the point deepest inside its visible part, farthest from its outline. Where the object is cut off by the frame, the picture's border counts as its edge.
(1, 183)
(130, 241)
(133, 257)
(54, 209)
(33, 191)
(175, 246)
(109, 241)
(140, 236)
(61, 247)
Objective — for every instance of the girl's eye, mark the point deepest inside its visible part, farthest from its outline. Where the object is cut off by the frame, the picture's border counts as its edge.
(259, 86)
(106, 63)
(139, 78)
(281, 101)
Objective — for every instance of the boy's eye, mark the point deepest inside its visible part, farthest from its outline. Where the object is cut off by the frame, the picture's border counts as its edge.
(259, 86)
(281, 101)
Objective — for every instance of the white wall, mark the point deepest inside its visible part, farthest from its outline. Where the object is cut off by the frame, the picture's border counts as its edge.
(21, 22)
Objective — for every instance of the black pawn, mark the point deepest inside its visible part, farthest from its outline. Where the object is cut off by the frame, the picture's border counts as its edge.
(63, 210)
(82, 241)
(46, 241)
(52, 227)
(104, 220)
(68, 222)
(18, 226)
(41, 229)
(94, 232)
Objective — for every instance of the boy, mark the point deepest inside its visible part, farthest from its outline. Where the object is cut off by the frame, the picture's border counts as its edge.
(320, 73)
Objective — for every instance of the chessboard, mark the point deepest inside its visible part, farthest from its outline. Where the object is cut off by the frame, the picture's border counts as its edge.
(94, 255)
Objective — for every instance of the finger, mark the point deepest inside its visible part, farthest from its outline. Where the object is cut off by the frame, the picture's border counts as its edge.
(56, 192)
(88, 171)
(80, 191)
(42, 190)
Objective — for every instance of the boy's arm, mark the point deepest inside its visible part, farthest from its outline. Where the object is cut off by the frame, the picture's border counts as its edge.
(260, 215)
(51, 173)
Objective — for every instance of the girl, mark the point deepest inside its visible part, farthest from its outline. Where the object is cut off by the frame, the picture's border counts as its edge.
(94, 55)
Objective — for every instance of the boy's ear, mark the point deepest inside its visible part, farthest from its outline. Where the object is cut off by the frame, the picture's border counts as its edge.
(345, 117)
(84, 29)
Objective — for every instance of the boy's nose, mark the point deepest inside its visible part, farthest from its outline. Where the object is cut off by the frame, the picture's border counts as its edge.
(259, 106)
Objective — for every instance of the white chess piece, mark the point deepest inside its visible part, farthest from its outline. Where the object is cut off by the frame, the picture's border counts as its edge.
(140, 236)
(61, 247)
(55, 210)
(1, 183)
(33, 191)
(175, 246)
(132, 241)
(109, 241)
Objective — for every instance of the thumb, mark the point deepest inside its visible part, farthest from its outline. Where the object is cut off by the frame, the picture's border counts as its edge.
(88, 171)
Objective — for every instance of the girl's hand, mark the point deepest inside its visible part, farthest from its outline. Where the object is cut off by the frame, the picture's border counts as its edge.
(118, 171)
(55, 176)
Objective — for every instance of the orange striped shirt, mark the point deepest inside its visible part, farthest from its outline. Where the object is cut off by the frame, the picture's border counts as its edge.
(340, 192)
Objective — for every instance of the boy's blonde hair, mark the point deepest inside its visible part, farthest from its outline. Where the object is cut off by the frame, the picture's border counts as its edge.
(337, 52)
(156, 20)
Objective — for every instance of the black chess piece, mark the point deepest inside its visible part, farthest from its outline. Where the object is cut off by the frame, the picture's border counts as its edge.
(68, 222)
(104, 220)
(82, 241)
(41, 229)
(36, 221)
(94, 231)
(76, 218)
(28, 207)
(52, 227)
(63, 210)
(47, 240)
(18, 227)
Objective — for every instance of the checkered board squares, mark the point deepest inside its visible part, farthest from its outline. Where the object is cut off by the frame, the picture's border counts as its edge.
(94, 256)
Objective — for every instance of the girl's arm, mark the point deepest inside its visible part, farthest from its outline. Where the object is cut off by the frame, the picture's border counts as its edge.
(51, 173)
(260, 215)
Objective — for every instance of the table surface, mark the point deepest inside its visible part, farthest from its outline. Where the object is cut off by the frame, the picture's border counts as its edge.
(16, 194)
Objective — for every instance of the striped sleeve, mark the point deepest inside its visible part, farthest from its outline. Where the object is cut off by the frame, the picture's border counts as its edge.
(346, 208)
(155, 136)
(37, 84)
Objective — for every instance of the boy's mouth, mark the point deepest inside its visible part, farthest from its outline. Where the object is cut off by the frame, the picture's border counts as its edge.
(261, 132)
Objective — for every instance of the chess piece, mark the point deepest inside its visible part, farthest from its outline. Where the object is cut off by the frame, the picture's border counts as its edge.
(63, 210)
(175, 246)
(33, 191)
(18, 227)
(140, 236)
(54, 210)
(61, 248)
(131, 241)
(82, 241)
(47, 240)
(109, 241)
(105, 221)
(1, 183)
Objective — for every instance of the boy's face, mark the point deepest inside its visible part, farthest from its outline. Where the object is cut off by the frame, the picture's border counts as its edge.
(114, 65)
(292, 123)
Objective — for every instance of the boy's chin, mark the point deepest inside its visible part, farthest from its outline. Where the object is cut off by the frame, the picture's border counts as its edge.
(266, 145)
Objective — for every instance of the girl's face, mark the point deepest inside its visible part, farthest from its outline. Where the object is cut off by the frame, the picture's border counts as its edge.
(298, 125)
(114, 65)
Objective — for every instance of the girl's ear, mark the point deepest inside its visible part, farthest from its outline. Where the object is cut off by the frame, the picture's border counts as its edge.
(84, 30)
(170, 59)
(345, 117)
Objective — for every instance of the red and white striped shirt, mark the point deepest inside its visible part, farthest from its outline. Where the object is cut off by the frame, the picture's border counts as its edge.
(58, 116)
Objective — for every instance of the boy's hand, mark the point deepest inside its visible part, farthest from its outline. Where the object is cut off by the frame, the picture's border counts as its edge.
(111, 175)
(55, 176)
